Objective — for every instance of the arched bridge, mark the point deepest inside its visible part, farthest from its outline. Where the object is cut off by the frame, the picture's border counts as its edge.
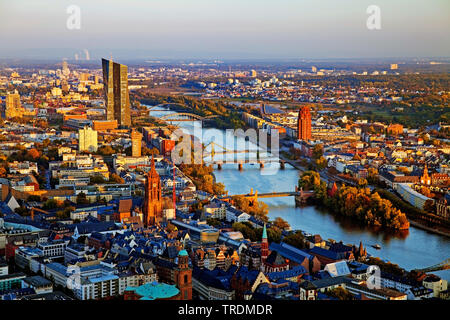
(444, 265)
(261, 156)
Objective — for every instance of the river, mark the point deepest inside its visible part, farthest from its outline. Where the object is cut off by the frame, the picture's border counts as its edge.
(411, 249)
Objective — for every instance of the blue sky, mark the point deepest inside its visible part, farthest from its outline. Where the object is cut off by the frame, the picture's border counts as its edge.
(225, 29)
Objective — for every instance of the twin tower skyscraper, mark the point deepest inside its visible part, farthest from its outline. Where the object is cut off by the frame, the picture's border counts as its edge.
(117, 98)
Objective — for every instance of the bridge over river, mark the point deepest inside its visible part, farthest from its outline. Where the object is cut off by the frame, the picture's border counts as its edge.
(300, 196)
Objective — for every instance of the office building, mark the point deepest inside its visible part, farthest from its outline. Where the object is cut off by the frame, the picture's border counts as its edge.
(13, 106)
(87, 139)
(136, 140)
(117, 100)
(304, 124)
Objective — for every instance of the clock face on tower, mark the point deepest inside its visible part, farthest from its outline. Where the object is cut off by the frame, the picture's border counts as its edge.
(154, 185)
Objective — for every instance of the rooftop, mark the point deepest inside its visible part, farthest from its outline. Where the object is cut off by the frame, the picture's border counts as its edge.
(155, 290)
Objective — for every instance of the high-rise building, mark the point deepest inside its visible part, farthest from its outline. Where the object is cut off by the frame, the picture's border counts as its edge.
(65, 86)
(253, 73)
(394, 66)
(13, 106)
(314, 69)
(136, 140)
(115, 79)
(153, 199)
(304, 124)
(87, 139)
(65, 68)
(84, 77)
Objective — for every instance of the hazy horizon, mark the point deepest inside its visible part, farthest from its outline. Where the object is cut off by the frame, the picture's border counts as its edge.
(231, 30)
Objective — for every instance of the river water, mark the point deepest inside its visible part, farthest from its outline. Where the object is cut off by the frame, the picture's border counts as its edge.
(411, 249)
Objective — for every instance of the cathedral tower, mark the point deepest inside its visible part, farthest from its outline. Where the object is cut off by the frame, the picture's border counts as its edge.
(153, 199)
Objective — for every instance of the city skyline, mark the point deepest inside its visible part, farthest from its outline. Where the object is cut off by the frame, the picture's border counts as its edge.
(226, 157)
(230, 30)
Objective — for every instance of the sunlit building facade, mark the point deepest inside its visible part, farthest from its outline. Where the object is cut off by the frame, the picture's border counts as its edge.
(115, 78)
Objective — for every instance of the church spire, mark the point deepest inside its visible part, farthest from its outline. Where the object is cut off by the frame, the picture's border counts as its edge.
(425, 179)
(264, 235)
(264, 248)
(152, 172)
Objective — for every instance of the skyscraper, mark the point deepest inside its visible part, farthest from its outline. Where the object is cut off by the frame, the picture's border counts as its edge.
(115, 79)
(136, 141)
(13, 106)
(65, 68)
(304, 124)
(87, 139)
(153, 199)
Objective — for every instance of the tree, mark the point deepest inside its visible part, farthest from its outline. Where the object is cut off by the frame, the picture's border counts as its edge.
(317, 151)
(3, 172)
(33, 153)
(213, 222)
(372, 175)
(106, 150)
(255, 208)
(362, 183)
(321, 163)
(115, 178)
(82, 199)
(219, 189)
(309, 180)
(281, 223)
(50, 204)
(97, 179)
(295, 239)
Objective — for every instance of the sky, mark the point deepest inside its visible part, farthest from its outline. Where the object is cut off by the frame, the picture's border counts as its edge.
(226, 29)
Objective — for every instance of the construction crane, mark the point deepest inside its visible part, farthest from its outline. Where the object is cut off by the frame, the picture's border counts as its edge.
(33, 209)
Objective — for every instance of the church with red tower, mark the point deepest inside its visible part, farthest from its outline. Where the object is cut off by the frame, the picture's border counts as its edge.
(183, 275)
(304, 124)
(153, 204)
(264, 246)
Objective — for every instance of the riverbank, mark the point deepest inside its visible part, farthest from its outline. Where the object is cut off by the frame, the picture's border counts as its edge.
(411, 249)
(429, 229)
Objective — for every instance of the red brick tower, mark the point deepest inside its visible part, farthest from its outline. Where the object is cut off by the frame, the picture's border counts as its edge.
(304, 124)
(153, 200)
(184, 276)
(264, 246)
